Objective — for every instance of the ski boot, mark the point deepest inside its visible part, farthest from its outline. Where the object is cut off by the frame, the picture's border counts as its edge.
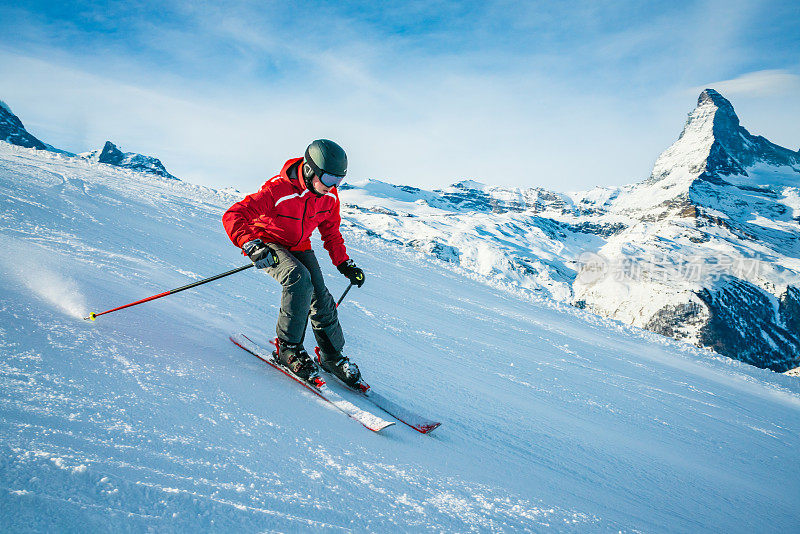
(342, 368)
(295, 358)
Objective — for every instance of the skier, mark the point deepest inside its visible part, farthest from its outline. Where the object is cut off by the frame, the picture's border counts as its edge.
(273, 226)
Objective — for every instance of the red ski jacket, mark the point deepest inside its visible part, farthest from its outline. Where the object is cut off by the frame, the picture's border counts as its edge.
(284, 211)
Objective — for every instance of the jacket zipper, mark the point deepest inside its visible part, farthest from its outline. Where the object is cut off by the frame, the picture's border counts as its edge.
(302, 223)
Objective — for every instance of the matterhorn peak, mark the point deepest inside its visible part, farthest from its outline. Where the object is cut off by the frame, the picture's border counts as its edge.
(726, 123)
(714, 144)
(712, 118)
(713, 148)
(735, 149)
(713, 98)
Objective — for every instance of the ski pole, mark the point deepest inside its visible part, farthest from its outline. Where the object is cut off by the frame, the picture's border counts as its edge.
(343, 295)
(93, 316)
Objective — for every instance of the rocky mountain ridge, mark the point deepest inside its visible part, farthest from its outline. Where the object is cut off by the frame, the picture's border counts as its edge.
(13, 131)
(112, 155)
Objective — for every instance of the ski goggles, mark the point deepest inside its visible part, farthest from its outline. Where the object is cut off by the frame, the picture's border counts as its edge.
(329, 180)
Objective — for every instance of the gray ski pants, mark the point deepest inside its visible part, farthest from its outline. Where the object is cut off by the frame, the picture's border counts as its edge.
(303, 290)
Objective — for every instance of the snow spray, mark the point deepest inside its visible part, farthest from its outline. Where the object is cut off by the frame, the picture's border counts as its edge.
(28, 264)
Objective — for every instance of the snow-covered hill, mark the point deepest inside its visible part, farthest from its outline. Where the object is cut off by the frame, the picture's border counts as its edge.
(149, 419)
(706, 250)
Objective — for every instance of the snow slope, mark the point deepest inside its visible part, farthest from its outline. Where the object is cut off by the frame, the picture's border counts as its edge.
(149, 419)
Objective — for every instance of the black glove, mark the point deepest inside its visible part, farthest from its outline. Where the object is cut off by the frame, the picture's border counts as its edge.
(260, 254)
(352, 272)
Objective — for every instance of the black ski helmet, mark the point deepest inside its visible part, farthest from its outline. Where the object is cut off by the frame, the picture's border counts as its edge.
(325, 156)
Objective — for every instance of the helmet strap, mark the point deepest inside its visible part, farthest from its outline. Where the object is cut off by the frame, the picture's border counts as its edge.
(308, 178)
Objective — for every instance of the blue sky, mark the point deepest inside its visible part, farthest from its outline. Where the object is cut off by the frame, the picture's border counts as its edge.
(553, 94)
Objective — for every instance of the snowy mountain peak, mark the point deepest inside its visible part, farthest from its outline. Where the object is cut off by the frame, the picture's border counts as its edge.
(710, 97)
(735, 148)
(712, 148)
(12, 130)
(112, 155)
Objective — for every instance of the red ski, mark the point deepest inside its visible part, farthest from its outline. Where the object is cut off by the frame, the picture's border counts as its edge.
(369, 420)
(415, 421)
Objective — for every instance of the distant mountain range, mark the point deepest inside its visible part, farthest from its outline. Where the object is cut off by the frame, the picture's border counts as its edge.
(13, 131)
(706, 249)
(112, 155)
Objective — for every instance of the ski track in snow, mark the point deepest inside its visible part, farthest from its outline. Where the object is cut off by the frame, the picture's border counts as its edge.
(150, 419)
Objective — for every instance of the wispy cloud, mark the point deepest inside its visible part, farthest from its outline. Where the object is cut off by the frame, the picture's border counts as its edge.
(759, 83)
(424, 93)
